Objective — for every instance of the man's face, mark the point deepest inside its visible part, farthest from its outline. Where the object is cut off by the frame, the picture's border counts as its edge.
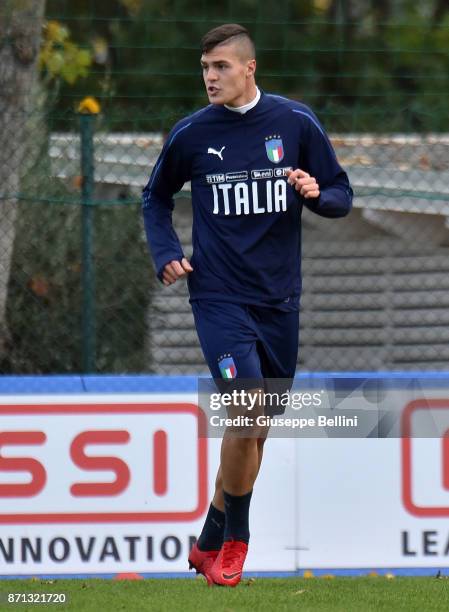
(226, 75)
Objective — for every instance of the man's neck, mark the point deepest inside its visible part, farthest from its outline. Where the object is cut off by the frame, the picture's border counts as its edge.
(248, 106)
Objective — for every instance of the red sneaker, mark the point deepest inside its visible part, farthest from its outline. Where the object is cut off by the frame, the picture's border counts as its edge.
(202, 560)
(228, 566)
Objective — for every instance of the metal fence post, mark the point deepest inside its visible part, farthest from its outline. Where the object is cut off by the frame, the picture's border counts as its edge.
(87, 122)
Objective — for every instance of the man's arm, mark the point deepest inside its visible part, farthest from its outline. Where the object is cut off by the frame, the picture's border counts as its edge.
(320, 179)
(169, 174)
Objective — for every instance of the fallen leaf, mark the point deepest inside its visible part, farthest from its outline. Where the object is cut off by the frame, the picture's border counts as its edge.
(39, 286)
(424, 162)
(77, 182)
(308, 574)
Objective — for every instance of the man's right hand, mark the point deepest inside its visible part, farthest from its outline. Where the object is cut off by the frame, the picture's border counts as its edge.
(175, 270)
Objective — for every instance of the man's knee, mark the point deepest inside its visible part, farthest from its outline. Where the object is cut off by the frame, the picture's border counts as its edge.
(262, 438)
(247, 416)
(261, 442)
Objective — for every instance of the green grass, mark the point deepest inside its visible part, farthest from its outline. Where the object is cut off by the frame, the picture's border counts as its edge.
(338, 594)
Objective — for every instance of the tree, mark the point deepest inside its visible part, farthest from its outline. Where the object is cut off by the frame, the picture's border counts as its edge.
(440, 9)
(20, 28)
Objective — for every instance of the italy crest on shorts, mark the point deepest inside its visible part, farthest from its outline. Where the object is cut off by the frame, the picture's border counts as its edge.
(274, 148)
(227, 367)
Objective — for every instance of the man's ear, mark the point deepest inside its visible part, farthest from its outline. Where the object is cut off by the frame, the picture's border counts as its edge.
(251, 68)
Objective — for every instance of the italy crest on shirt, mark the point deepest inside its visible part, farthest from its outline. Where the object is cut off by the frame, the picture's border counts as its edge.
(274, 148)
(227, 367)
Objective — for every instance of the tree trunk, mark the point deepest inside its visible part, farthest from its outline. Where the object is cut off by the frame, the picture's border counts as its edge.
(20, 29)
(439, 10)
(381, 11)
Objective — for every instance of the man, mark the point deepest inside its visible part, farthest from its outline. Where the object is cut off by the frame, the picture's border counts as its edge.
(254, 160)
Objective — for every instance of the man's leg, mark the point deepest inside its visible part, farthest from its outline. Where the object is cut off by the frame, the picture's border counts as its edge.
(218, 500)
(235, 451)
(210, 541)
(241, 456)
(211, 537)
(215, 518)
(240, 464)
(212, 534)
(228, 337)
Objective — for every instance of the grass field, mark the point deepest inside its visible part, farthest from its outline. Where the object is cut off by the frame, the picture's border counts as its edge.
(337, 594)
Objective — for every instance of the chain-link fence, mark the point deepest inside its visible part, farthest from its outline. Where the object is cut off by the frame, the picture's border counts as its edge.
(80, 282)
(77, 288)
(82, 294)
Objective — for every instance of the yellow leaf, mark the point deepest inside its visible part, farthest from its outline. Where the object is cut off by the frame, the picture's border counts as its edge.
(83, 58)
(55, 63)
(308, 574)
(56, 32)
(89, 106)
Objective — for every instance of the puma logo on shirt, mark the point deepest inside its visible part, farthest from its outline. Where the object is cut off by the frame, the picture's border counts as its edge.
(213, 151)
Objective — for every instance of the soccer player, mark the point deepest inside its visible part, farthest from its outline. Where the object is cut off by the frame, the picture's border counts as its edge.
(254, 160)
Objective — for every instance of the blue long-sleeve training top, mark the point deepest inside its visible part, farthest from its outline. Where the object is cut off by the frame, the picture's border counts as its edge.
(246, 229)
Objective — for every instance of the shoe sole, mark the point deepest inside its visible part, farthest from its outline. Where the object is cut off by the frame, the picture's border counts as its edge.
(198, 571)
(211, 582)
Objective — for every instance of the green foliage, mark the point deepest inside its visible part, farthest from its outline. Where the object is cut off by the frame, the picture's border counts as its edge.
(354, 59)
(61, 58)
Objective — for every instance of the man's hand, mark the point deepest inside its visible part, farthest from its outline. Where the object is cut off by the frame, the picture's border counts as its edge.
(304, 183)
(175, 270)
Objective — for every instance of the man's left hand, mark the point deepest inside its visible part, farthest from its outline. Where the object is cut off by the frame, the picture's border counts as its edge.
(304, 183)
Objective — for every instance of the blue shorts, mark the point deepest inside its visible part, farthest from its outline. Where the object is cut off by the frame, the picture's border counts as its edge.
(253, 343)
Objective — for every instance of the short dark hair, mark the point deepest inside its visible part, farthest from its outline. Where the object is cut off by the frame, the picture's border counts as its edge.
(224, 34)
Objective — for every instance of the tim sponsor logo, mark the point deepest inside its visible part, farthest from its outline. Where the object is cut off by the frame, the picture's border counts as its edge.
(215, 178)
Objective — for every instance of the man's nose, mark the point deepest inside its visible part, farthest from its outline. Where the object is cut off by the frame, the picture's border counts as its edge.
(211, 75)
